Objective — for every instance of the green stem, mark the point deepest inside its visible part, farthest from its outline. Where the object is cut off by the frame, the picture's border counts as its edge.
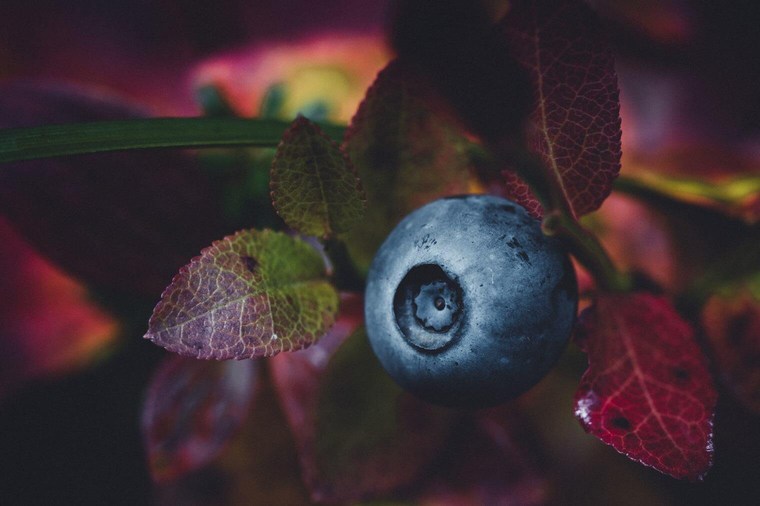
(345, 277)
(588, 250)
(84, 138)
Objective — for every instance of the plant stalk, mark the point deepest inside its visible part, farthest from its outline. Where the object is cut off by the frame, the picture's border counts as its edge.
(559, 221)
(18, 144)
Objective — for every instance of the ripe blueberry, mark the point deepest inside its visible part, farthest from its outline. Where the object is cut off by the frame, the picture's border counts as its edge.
(468, 303)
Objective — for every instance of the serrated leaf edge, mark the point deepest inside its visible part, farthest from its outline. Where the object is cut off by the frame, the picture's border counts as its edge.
(303, 122)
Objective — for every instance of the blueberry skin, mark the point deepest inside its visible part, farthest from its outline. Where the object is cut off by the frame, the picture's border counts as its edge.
(468, 303)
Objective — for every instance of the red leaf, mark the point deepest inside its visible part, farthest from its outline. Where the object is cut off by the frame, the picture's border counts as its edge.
(575, 126)
(647, 392)
(192, 410)
(48, 325)
(732, 326)
(104, 217)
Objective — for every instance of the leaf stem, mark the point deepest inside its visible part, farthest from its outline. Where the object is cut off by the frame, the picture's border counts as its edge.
(559, 221)
(18, 144)
(344, 275)
(588, 250)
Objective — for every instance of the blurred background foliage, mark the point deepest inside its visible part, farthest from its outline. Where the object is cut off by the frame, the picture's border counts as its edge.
(74, 369)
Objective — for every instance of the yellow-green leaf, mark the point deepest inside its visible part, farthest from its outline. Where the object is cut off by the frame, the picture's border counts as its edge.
(252, 294)
(314, 186)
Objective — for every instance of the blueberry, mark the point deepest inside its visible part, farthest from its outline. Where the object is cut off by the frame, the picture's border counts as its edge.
(468, 303)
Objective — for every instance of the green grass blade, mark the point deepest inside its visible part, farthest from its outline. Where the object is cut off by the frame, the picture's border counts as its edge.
(82, 138)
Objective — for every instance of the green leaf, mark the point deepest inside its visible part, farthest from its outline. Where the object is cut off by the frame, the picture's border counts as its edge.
(252, 294)
(314, 186)
(97, 137)
(370, 437)
(406, 152)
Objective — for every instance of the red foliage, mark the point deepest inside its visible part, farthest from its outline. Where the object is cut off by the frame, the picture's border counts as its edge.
(47, 323)
(124, 220)
(575, 124)
(648, 392)
(732, 327)
(192, 410)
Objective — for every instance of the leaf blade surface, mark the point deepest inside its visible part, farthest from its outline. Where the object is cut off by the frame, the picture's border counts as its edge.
(252, 294)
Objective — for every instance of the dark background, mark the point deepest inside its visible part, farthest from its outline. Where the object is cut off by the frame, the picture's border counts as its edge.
(76, 440)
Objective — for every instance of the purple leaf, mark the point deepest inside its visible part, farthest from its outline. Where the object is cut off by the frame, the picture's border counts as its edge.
(252, 294)
(192, 410)
(575, 124)
(123, 220)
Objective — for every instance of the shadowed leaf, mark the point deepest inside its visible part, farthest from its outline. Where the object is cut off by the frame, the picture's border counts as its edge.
(455, 45)
(296, 375)
(575, 125)
(732, 325)
(252, 294)
(370, 436)
(314, 186)
(406, 154)
(489, 461)
(104, 217)
(647, 392)
(259, 466)
(359, 436)
(192, 410)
